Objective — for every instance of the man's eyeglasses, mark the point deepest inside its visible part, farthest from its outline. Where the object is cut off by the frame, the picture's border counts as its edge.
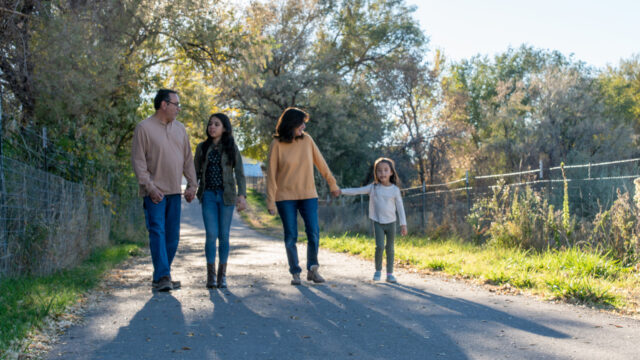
(174, 103)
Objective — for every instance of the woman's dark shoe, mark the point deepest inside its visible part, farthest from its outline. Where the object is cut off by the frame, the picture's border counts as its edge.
(314, 275)
(222, 276)
(211, 276)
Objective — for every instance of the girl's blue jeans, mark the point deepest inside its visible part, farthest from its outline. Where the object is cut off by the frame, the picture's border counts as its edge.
(217, 223)
(163, 223)
(288, 211)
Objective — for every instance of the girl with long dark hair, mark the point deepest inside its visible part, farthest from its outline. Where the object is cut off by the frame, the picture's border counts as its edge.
(221, 188)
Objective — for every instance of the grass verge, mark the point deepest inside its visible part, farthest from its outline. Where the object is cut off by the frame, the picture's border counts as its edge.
(259, 219)
(25, 302)
(571, 275)
(257, 216)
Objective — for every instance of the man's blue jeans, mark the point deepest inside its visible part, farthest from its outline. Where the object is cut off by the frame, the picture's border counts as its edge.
(217, 223)
(288, 210)
(163, 223)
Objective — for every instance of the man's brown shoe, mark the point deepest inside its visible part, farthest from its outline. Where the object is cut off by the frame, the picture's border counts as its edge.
(164, 284)
(174, 284)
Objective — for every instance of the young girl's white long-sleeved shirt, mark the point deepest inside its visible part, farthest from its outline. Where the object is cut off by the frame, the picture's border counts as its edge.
(384, 201)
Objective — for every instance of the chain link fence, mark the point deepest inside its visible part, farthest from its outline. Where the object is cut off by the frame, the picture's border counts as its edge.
(48, 223)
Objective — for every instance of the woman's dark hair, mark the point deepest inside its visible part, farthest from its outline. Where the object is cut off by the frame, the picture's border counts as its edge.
(162, 95)
(290, 119)
(227, 141)
(394, 179)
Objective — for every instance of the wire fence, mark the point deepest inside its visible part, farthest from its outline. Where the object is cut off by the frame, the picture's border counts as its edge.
(591, 188)
(48, 223)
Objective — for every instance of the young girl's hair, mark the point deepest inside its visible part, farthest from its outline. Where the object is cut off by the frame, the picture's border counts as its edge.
(394, 179)
(227, 141)
(290, 119)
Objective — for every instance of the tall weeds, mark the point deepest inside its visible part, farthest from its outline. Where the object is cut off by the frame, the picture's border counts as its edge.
(523, 218)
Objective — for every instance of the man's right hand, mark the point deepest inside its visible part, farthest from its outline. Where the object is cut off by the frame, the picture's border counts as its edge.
(272, 212)
(156, 196)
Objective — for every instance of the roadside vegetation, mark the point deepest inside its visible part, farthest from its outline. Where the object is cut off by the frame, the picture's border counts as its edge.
(572, 274)
(27, 301)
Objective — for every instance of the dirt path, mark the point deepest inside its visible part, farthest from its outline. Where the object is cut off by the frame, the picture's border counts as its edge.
(261, 316)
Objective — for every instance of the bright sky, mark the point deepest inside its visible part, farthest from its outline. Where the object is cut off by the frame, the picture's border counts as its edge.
(599, 32)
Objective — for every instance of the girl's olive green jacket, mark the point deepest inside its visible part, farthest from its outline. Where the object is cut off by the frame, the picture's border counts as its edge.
(229, 181)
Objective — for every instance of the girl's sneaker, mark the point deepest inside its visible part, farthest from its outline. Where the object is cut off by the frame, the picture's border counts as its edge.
(391, 278)
(376, 276)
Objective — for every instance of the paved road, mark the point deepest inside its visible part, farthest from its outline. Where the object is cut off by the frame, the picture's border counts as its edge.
(261, 316)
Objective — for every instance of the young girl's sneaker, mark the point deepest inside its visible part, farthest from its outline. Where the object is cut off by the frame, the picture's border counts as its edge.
(391, 278)
(376, 276)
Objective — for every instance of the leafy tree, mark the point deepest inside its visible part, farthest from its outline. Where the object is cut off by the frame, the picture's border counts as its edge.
(571, 121)
(17, 18)
(411, 88)
(620, 87)
(528, 105)
(320, 56)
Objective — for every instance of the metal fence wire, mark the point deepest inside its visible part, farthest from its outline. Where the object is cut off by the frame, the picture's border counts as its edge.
(591, 188)
(48, 223)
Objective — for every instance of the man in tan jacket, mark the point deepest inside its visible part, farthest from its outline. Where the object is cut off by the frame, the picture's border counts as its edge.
(160, 155)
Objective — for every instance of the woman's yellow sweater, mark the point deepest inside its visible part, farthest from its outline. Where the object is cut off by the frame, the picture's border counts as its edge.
(290, 170)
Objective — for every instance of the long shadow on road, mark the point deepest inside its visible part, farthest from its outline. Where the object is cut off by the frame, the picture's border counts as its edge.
(317, 322)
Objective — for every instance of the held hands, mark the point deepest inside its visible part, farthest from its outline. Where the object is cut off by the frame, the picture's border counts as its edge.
(241, 203)
(189, 194)
(336, 193)
(403, 230)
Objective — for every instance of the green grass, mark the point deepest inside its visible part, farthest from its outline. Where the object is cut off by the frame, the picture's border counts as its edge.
(571, 275)
(257, 216)
(26, 301)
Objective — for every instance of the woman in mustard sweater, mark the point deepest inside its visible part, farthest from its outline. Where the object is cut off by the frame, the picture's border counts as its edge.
(291, 188)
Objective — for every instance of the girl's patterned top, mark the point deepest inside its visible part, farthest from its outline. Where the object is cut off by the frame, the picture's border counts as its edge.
(214, 170)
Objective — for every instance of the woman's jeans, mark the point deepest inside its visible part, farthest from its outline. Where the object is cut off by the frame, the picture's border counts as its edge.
(288, 211)
(380, 230)
(163, 223)
(217, 223)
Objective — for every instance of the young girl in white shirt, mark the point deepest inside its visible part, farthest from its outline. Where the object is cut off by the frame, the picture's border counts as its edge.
(384, 201)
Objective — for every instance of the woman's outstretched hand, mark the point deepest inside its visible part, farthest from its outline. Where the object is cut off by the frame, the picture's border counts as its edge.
(336, 193)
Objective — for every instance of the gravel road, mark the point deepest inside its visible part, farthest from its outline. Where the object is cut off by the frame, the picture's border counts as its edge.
(261, 316)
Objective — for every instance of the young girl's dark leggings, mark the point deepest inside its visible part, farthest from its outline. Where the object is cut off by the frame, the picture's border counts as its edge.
(380, 230)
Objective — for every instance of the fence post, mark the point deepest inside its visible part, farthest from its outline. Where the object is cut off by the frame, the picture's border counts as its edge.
(541, 176)
(424, 206)
(466, 182)
(44, 146)
(4, 238)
